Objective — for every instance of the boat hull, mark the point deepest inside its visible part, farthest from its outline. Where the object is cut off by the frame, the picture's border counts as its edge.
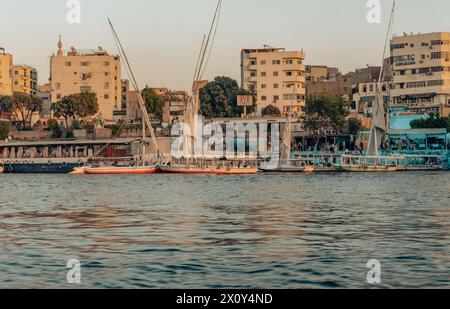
(37, 168)
(205, 171)
(367, 169)
(138, 170)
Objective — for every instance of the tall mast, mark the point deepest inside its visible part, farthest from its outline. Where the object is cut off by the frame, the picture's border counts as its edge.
(378, 130)
(145, 117)
(192, 109)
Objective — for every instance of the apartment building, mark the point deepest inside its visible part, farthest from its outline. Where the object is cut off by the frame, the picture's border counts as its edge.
(6, 62)
(364, 95)
(76, 71)
(24, 79)
(276, 77)
(421, 72)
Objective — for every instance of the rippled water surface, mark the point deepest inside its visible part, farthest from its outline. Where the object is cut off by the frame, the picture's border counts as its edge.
(263, 231)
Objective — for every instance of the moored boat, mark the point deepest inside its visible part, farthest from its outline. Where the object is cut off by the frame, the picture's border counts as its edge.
(117, 170)
(221, 170)
(369, 164)
(347, 168)
(41, 166)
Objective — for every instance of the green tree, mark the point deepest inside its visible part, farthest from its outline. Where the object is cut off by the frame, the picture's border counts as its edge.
(153, 102)
(4, 129)
(87, 104)
(325, 113)
(354, 126)
(25, 106)
(271, 111)
(219, 98)
(65, 108)
(5, 104)
(76, 106)
(54, 126)
(432, 122)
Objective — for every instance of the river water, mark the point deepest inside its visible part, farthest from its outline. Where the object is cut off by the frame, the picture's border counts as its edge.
(262, 231)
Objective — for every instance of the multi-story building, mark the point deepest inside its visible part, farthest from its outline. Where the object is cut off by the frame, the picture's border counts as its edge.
(25, 79)
(6, 61)
(320, 72)
(364, 95)
(276, 77)
(76, 71)
(421, 72)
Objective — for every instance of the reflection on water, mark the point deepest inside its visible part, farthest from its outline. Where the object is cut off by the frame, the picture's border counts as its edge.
(262, 231)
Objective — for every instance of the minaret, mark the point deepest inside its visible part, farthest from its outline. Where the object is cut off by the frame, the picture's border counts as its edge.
(60, 45)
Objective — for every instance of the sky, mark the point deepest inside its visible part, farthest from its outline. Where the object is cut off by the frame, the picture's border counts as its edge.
(162, 37)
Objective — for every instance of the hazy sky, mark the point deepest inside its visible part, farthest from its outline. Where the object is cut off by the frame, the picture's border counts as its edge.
(162, 37)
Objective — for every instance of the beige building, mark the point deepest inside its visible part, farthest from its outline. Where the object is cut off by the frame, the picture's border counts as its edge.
(25, 79)
(421, 69)
(316, 72)
(276, 77)
(76, 71)
(6, 61)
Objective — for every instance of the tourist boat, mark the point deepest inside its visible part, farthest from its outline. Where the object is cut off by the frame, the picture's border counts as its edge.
(369, 164)
(220, 170)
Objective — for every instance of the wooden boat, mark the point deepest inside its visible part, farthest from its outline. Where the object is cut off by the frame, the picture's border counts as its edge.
(221, 170)
(347, 168)
(369, 164)
(115, 170)
(1, 169)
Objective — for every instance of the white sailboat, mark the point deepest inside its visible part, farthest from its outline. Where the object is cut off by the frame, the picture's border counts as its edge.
(136, 169)
(373, 162)
(192, 112)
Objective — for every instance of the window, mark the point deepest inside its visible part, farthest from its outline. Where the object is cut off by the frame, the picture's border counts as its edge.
(253, 62)
(397, 46)
(432, 83)
(276, 86)
(289, 73)
(85, 88)
(58, 96)
(85, 64)
(106, 85)
(263, 98)
(106, 63)
(439, 42)
(275, 74)
(276, 97)
(405, 58)
(58, 86)
(276, 62)
(439, 55)
(416, 85)
(68, 64)
(263, 86)
(263, 74)
(252, 74)
(106, 73)
(86, 76)
(263, 62)
(289, 61)
(106, 96)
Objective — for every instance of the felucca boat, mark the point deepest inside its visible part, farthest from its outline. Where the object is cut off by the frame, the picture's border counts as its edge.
(146, 123)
